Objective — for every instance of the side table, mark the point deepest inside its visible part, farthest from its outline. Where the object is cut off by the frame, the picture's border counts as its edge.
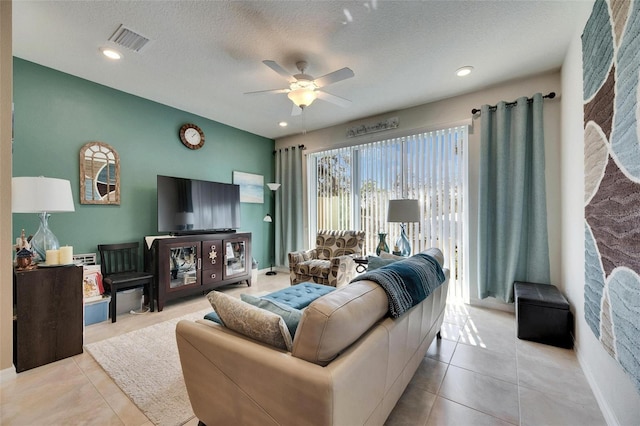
(361, 263)
(48, 315)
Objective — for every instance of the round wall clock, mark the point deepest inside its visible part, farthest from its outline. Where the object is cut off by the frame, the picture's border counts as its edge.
(192, 136)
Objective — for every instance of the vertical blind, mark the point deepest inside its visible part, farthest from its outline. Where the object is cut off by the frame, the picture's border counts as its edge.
(350, 188)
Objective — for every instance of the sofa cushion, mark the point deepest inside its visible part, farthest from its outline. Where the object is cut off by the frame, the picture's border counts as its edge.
(314, 268)
(251, 321)
(333, 322)
(291, 316)
(300, 295)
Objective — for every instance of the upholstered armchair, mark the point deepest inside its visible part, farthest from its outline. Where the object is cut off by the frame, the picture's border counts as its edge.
(330, 262)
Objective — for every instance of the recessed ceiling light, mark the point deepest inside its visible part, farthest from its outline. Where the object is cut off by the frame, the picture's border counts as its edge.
(464, 71)
(283, 124)
(111, 53)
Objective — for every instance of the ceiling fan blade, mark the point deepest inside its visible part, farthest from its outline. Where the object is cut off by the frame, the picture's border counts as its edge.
(296, 110)
(258, 92)
(334, 77)
(277, 68)
(337, 100)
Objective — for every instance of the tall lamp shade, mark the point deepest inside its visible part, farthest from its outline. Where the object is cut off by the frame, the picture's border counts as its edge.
(403, 211)
(41, 195)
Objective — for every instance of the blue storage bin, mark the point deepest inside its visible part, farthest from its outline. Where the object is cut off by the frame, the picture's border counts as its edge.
(96, 311)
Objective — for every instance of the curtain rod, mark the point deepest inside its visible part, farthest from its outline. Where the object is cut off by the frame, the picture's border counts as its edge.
(551, 95)
(301, 147)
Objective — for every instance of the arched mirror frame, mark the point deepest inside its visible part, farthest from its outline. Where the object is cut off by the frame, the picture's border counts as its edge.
(95, 159)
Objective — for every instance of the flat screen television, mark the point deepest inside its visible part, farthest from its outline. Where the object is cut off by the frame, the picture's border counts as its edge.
(191, 206)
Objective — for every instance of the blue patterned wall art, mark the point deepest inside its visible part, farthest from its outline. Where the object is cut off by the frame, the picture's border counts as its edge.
(611, 91)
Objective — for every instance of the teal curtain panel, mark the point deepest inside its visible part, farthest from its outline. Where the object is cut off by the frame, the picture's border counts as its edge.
(512, 241)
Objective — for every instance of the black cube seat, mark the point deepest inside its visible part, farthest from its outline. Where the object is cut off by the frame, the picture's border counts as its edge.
(543, 314)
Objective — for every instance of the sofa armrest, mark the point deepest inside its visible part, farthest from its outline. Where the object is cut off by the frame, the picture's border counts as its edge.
(230, 377)
(300, 256)
(342, 270)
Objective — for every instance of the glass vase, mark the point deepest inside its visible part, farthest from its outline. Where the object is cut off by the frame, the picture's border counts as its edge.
(382, 244)
(43, 239)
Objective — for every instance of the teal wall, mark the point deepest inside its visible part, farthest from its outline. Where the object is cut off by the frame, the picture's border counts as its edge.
(56, 113)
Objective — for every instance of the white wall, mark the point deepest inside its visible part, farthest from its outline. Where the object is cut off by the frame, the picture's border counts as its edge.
(618, 398)
(6, 248)
(455, 110)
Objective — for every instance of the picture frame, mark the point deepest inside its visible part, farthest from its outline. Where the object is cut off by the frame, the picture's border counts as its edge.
(251, 187)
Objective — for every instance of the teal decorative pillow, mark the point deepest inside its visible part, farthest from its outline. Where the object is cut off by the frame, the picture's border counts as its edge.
(251, 321)
(290, 315)
(385, 255)
(375, 262)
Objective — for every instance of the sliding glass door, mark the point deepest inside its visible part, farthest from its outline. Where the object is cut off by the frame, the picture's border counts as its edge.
(350, 188)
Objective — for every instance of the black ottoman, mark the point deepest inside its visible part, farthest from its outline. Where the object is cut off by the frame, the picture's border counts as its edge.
(543, 314)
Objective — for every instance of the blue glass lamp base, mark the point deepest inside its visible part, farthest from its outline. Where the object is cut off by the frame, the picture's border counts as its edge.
(403, 243)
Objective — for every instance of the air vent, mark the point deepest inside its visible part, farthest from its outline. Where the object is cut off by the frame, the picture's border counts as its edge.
(129, 39)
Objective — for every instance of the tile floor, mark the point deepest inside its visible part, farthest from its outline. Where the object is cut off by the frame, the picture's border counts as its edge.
(478, 374)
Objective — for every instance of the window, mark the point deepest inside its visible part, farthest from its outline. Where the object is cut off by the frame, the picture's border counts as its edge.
(351, 187)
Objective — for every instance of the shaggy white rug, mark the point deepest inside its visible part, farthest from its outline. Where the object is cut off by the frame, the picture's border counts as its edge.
(146, 366)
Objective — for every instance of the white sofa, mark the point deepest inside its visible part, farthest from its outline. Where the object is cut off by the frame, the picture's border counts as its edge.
(349, 364)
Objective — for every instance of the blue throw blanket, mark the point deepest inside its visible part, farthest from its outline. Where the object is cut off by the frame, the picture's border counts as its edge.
(407, 282)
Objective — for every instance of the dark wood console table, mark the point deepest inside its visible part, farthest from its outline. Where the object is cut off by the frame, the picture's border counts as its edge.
(48, 312)
(192, 264)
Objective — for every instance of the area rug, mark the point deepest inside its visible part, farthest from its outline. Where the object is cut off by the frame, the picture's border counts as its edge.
(146, 366)
(611, 61)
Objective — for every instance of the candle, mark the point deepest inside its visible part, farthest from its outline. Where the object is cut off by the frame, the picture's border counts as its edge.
(66, 255)
(52, 257)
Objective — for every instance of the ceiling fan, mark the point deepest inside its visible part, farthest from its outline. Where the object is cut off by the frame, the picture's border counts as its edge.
(304, 89)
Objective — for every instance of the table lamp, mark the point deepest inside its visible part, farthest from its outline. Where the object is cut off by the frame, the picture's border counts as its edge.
(41, 195)
(403, 211)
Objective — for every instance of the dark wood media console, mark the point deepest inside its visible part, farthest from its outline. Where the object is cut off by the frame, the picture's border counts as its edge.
(192, 264)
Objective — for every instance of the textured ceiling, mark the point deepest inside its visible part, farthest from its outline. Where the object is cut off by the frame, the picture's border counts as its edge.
(203, 55)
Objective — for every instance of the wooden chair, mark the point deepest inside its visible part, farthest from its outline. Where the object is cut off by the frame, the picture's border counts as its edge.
(119, 266)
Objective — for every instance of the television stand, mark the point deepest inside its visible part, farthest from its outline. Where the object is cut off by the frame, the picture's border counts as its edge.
(196, 264)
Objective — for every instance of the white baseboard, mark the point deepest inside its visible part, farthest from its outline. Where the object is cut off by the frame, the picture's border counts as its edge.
(7, 373)
(493, 303)
(607, 413)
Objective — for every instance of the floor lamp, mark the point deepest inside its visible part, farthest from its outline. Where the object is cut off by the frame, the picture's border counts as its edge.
(273, 187)
(403, 211)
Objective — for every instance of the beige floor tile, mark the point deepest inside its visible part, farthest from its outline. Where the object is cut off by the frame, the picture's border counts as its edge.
(456, 314)
(483, 393)
(441, 350)
(449, 413)
(450, 331)
(54, 394)
(544, 375)
(413, 408)
(561, 357)
(541, 408)
(429, 375)
(502, 366)
(495, 337)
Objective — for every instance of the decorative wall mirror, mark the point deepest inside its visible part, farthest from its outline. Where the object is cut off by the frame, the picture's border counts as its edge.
(99, 174)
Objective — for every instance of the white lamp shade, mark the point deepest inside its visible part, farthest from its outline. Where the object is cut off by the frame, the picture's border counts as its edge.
(268, 218)
(403, 211)
(273, 186)
(41, 194)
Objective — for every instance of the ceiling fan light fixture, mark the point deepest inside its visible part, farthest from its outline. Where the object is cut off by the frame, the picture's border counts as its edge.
(302, 97)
